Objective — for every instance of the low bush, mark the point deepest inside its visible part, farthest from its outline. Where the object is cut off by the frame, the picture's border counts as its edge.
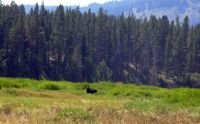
(116, 93)
(12, 92)
(145, 94)
(82, 86)
(11, 84)
(50, 86)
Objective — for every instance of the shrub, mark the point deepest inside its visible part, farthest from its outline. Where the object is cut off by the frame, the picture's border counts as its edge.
(174, 100)
(116, 93)
(16, 85)
(50, 86)
(128, 94)
(145, 94)
(12, 92)
(10, 84)
(82, 86)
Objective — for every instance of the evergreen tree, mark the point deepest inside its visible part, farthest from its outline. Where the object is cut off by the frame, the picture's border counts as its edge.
(169, 50)
(102, 36)
(151, 48)
(88, 46)
(76, 73)
(182, 47)
(191, 52)
(33, 26)
(58, 41)
(22, 43)
(163, 28)
(10, 41)
(197, 50)
(103, 73)
(1, 39)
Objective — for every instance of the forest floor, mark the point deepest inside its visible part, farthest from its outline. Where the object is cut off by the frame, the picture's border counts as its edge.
(26, 101)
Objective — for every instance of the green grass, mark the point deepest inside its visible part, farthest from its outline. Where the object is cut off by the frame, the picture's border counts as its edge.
(65, 100)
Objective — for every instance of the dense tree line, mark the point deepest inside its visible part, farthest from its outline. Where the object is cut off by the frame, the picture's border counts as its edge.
(74, 46)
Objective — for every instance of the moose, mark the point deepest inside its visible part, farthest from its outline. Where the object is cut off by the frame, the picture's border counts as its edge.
(91, 91)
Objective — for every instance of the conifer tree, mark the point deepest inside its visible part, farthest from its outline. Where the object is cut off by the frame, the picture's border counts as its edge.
(58, 40)
(103, 73)
(33, 26)
(169, 50)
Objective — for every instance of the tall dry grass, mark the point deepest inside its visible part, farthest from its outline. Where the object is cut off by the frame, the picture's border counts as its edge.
(98, 116)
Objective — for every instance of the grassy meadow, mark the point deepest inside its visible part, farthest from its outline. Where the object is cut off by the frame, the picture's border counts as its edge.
(26, 101)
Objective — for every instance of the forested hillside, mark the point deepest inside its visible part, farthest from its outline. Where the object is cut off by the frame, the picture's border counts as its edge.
(146, 8)
(74, 46)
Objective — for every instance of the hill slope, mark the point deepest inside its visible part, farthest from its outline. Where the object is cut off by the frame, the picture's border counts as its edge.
(141, 8)
(145, 8)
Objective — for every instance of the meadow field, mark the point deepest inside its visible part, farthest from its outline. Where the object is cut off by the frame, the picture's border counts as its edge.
(26, 101)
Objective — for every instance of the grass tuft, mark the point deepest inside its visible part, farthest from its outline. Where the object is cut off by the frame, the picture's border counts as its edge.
(6, 109)
(75, 114)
